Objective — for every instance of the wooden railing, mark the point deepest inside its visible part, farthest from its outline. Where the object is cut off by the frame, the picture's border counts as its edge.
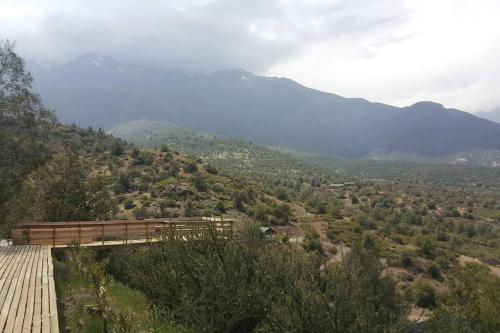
(86, 232)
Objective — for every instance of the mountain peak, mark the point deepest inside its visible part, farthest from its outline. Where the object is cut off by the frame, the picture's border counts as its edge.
(94, 59)
(41, 65)
(427, 105)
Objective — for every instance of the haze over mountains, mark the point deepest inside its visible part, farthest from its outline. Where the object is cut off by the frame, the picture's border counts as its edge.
(493, 115)
(99, 91)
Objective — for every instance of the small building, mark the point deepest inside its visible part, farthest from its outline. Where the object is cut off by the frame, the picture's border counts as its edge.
(268, 232)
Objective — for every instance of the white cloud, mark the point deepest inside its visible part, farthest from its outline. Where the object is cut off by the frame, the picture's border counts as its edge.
(446, 51)
(393, 51)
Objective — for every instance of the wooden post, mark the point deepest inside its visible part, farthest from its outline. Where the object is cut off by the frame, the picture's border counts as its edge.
(126, 232)
(147, 232)
(102, 237)
(53, 235)
(79, 234)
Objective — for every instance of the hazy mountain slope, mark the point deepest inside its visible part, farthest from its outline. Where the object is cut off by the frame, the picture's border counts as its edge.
(491, 115)
(100, 91)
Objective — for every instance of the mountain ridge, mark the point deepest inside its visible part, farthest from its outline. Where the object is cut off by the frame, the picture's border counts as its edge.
(102, 92)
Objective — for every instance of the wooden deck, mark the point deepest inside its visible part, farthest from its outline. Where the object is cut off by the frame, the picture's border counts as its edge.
(27, 290)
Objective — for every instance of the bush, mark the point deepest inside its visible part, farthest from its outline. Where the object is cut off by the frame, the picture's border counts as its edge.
(199, 182)
(117, 149)
(211, 169)
(219, 207)
(312, 242)
(431, 205)
(191, 167)
(354, 199)
(189, 209)
(406, 260)
(423, 295)
(427, 249)
(434, 272)
(128, 204)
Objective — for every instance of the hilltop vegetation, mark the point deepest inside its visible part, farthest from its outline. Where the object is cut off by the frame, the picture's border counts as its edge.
(92, 175)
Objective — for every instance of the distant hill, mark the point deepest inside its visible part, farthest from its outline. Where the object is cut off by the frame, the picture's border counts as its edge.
(99, 91)
(249, 160)
(238, 157)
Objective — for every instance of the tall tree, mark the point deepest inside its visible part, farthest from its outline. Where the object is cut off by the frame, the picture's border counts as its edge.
(22, 118)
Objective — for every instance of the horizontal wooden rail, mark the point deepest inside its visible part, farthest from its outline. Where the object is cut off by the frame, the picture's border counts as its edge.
(85, 232)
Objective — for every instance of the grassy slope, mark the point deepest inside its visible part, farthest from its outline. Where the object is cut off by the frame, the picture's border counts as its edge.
(395, 211)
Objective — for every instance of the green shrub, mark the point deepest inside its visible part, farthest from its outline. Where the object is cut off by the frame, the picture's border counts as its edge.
(434, 272)
(423, 294)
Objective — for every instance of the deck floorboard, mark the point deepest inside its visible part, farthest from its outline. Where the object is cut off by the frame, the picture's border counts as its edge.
(27, 291)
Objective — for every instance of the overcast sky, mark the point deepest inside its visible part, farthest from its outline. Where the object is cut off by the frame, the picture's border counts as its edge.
(392, 51)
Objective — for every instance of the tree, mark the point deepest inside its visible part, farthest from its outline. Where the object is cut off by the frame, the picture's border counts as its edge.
(191, 167)
(354, 199)
(199, 182)
(60, 191)
(117, 148)
(312, 242)
(219, 207)
(65, 197)
(23, 119)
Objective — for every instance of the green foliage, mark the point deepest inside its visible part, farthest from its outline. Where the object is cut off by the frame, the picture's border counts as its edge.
(406, 259)
(200, 182)
(220, 208)
(251, 285)
(427, 249)
(354, 199)
(142, 158)
(211, 169)
(423, 294)
(117, 149)
(191, 167)
(472, 306)
(189, 209)
(331, 234)
(23, 119)
(434, 272)
(312, 242)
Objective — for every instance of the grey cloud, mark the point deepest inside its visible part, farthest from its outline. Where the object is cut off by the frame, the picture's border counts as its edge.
(201, 35)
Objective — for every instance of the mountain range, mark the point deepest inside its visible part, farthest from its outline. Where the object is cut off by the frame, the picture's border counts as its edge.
(99, 91)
